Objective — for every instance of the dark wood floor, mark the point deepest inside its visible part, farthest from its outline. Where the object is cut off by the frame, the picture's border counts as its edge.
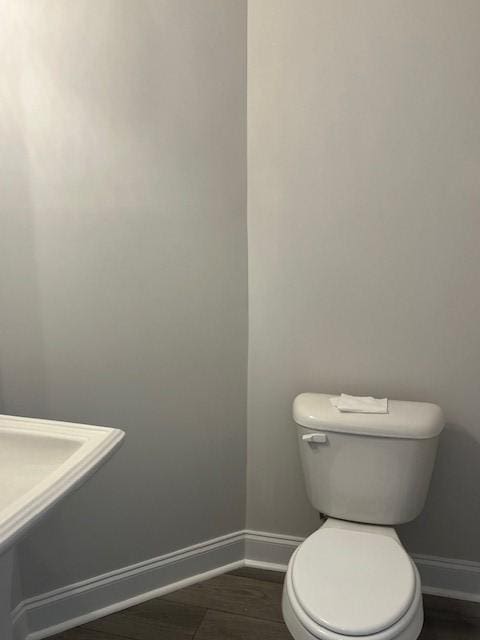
(245, 605)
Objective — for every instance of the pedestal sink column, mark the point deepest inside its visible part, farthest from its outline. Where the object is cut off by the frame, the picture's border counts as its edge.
(6, 571)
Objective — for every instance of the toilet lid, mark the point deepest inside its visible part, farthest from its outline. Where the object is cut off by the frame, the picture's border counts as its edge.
(353, 582)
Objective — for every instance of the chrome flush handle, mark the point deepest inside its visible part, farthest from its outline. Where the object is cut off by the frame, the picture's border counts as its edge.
(315, 438)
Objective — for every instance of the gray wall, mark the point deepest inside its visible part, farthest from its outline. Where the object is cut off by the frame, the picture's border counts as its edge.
(364, 227)
(123, 252)
(123, 265)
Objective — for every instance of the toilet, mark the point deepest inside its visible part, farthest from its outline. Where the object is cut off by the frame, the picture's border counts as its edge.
(352, 578)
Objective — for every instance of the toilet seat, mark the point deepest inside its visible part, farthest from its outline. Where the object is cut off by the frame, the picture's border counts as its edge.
(353, 581)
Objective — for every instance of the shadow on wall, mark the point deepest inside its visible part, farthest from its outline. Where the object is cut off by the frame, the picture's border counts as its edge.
(22, 374)
(453, 501)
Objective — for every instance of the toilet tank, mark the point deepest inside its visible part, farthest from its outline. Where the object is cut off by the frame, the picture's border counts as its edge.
(373, 468)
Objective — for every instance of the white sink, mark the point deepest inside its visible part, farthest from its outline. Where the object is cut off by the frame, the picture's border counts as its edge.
(40, 462)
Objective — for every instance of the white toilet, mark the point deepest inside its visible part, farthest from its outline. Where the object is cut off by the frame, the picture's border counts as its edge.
(366, 472)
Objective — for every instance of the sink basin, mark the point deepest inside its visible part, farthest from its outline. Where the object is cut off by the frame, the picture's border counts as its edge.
(40, 462)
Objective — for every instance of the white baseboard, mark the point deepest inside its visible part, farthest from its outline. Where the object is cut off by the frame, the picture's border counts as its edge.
(67, 607)
(440, 576)
(448, 577)
(269, 549)
(70, 606)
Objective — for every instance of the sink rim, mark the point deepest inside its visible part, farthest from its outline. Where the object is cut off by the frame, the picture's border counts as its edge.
(96, 444)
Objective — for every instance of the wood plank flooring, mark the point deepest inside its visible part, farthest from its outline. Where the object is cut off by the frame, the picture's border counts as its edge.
(245, 605)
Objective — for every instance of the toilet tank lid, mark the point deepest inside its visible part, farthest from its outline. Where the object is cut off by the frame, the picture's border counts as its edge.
(413, 420)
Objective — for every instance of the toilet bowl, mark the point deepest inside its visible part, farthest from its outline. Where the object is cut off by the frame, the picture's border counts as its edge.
(351, 580)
